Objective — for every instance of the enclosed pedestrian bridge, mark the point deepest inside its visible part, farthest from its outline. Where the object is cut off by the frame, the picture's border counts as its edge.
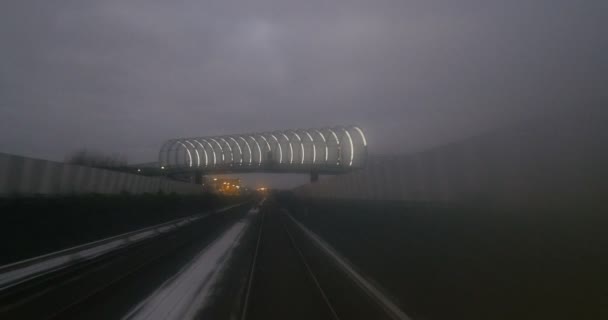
(317, 151)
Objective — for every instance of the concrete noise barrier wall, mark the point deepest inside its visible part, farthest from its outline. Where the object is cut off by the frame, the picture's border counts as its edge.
(27, 176)
(559, 164)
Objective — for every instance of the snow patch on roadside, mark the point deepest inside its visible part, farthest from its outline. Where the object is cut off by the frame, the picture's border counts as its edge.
(183, 295)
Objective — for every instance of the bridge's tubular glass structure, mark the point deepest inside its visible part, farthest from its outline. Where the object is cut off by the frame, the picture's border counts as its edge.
(302, 149)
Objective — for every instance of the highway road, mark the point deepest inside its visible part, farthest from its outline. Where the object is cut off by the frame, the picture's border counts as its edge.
(252, 261)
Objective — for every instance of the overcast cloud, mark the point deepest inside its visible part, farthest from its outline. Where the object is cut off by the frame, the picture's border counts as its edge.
(123, 76)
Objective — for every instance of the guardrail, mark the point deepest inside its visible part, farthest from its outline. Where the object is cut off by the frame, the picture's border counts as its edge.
(18, 272)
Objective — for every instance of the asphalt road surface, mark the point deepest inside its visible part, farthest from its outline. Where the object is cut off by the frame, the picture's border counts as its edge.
(250, 262)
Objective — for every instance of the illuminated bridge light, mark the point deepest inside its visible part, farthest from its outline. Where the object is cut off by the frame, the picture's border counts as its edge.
(335, 149)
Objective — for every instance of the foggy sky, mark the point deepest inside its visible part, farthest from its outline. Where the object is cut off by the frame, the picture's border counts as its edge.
(123, 76)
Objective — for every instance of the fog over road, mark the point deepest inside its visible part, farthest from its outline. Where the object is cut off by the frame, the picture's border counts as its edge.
(124, 76)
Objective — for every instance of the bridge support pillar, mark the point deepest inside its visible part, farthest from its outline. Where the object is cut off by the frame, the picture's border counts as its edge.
(314, 177)
(198, 177)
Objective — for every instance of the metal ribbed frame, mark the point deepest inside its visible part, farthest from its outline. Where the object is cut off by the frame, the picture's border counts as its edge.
(343, 147)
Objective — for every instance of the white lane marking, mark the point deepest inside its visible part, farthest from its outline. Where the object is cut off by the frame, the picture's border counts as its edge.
(368, 287)
(185, 294)
(252, 269)
(310, 273)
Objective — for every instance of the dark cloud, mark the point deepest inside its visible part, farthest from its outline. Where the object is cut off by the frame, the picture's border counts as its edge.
(122, 76)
